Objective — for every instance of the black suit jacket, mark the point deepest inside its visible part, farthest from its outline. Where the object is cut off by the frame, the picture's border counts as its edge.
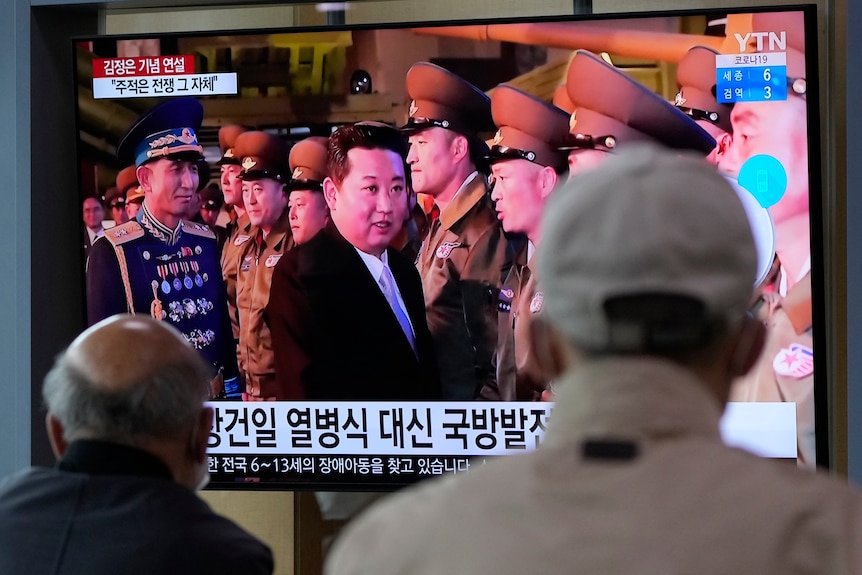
(106, 509)
(334, 335)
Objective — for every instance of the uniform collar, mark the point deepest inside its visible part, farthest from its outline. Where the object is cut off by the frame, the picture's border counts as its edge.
(157, 228)
(631, 398)
(468, 195)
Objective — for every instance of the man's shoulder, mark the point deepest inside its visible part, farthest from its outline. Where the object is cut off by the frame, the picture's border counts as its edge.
(124, 233)
(198, 229)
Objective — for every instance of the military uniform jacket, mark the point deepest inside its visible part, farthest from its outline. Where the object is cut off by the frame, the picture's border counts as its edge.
(676, 501)
(107, 509)
(334, 335)
(518, 376)
(238, 235)
(785, 370)
(462, 261)
(143, 267)
(254, 279)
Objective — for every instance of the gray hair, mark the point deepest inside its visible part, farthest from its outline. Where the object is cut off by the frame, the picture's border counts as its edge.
(163, 403)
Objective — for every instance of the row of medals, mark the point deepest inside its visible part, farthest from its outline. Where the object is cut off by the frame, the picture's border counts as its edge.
(187, 282)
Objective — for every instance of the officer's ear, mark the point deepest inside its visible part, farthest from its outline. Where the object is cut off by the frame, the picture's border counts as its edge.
(549, 348)
(548, 180)
(144, 174)
(460, 148)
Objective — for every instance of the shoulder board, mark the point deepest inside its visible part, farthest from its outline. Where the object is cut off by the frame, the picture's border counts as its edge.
(196, 229)
(123, 233)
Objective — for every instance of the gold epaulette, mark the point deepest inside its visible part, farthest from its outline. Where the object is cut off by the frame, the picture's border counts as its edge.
(196, 229)
(123, 233)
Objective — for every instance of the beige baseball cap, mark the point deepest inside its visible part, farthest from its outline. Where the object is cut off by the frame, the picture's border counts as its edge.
(649, 251)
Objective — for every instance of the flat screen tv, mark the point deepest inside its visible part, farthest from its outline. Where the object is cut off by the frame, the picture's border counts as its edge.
(759, 105)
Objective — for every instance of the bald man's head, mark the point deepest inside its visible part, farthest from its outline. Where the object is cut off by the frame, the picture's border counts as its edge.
(128, 379)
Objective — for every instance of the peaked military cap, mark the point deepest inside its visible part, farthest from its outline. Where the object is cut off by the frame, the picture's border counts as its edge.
(529, 128)
(442, 99)
(262, 155)
(168, 130)
(695, 78)
(115, 198)
(613, 109)
(227, 136)
(308, 160)
(127, 183)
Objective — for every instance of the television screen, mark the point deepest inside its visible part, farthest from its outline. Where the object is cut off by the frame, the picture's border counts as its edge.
(248, 244)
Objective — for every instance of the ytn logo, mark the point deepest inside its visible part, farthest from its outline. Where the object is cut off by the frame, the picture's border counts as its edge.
(777, 42)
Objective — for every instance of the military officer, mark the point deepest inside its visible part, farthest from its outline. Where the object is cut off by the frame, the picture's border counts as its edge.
(464, 254)
(116, 202)
(127, 183)
(526, 167)
(239, 227)
(613, 110)
(785, 371)
(264, 177)
(306, 204)
(158, 263)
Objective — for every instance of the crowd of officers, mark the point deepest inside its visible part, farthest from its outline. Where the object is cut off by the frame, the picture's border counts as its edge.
(472, 223)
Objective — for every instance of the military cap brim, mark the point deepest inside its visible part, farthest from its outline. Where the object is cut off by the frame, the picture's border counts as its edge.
(174, 115)
(596, 85)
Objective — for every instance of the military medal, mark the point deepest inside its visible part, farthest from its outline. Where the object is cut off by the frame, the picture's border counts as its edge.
(187, 281)
(198, 279)
(163, 273)
(178, 283)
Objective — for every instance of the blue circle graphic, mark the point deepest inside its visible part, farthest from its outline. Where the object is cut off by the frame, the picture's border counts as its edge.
(765, 178)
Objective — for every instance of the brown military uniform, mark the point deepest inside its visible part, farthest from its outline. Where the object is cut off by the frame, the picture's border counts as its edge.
(254, 277)
(531, 130)
(462, 262)
(785, 371)
(238, 234)
(263, 157)
(464, 255)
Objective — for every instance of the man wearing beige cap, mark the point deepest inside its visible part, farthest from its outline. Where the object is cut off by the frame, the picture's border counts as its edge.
(307, 207)
(264, 177)
(613, 111)
(526, 167)
(465, 254)
(779, 129)
(646, 295)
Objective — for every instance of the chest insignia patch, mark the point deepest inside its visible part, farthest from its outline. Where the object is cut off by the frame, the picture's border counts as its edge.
(246, 264)
(537, 302)
(241, 240)
(445, 249)
(794, 361)
(272, 260)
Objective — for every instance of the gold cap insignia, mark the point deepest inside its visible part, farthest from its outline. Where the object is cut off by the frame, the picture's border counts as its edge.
(679, 99)
(573, 121)
(498, 137)
(248, 163)
(228, 153)
(297, 173)
(413, 108)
